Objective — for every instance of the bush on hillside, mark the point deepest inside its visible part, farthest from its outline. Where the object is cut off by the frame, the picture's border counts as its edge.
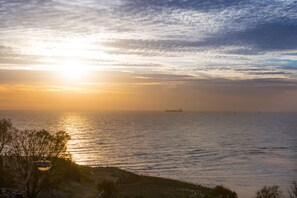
(293, 192)
(269, 192)
(108, 189)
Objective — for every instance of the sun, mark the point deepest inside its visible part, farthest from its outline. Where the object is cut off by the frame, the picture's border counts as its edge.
(73, 70)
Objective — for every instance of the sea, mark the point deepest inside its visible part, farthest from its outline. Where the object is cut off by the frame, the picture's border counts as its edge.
(243, 151)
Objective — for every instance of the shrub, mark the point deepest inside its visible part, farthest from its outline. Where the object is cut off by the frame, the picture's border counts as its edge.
(109, 189)
(68, 170)
(222, 192)
(293, 194)
(216, 192)
(26, 149)
(6, 179)
(269, 192)
(6, 130)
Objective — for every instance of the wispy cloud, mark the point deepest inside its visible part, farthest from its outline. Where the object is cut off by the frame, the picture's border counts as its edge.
(184, 43)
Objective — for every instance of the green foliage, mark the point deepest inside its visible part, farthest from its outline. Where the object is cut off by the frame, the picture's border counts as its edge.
(293, 192)
(108, 188)
(269, 192)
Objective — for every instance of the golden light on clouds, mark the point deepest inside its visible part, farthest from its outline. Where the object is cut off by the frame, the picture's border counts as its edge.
(77, 46)
(129, 51)
(72, 59)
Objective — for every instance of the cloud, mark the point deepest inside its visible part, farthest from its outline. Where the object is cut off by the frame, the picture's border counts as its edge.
(209, 39)
(261, 38)
(199, 5)
(265, 37)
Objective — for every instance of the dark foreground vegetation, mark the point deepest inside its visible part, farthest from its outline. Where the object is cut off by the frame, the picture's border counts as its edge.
(22, 152)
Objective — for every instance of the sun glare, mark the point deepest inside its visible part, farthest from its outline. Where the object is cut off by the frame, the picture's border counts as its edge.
(73, 70)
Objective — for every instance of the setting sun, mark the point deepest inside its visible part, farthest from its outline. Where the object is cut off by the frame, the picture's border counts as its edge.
(72, 70)
(190, 90)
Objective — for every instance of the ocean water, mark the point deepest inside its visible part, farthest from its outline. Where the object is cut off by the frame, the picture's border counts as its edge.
(242, 151)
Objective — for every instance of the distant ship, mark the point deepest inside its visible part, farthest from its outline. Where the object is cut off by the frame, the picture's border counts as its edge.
(174, 110)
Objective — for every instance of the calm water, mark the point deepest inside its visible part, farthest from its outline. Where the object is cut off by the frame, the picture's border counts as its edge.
(243, 151)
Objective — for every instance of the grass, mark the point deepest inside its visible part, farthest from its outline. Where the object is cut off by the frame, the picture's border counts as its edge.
(118, 183)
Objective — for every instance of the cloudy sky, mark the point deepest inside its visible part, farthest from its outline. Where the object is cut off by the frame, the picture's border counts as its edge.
(148, 55)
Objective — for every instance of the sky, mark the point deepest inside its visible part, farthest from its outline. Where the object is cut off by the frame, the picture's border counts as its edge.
(219, 55)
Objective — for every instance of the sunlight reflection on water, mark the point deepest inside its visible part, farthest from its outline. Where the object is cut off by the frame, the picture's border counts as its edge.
(243, 151)
(83, 144)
